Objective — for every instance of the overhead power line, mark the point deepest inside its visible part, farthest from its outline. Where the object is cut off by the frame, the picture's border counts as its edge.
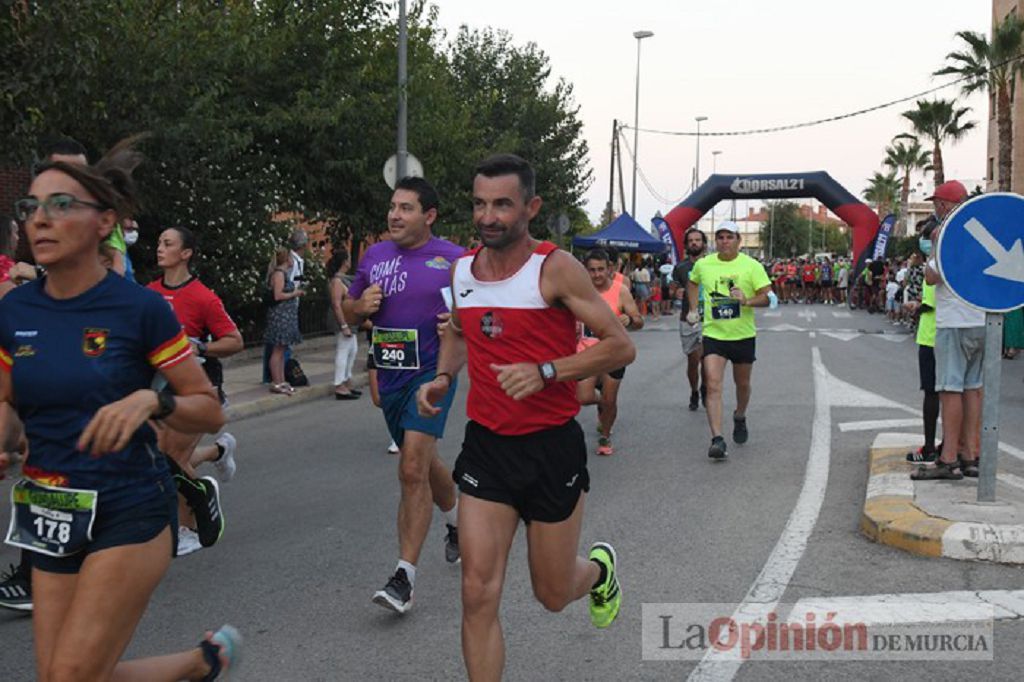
(820, 121)
(647, 183)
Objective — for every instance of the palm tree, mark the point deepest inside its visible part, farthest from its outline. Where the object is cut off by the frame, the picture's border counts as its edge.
(939, 120)
(883, 191)
(907, 158)
(993, 66)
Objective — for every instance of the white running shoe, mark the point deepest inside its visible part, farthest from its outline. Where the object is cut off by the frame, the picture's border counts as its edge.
(226, 466)
(188, 541)
(393, 448)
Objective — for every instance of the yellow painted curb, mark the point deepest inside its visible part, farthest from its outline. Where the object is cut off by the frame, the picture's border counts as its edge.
(894, 519)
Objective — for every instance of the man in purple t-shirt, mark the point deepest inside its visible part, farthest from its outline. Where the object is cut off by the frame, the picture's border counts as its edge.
(398, 286)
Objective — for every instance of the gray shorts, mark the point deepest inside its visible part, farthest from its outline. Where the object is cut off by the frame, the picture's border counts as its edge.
(959, 355)
(690, 336)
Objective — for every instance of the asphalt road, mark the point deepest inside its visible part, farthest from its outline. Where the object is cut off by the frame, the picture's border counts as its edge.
(311, 527)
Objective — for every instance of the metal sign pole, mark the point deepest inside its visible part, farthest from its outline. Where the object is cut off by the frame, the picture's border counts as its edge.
(988, 465)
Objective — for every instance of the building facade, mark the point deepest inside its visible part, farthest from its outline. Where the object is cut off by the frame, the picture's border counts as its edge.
(1000, 10)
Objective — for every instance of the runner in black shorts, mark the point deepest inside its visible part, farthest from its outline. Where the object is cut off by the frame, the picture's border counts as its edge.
(524, 455)
(603, 390)
(734, 284)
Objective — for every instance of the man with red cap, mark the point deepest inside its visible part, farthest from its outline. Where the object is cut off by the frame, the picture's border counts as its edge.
(959, 355)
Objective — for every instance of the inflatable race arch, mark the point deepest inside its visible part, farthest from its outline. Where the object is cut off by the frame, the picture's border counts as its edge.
(820, 185)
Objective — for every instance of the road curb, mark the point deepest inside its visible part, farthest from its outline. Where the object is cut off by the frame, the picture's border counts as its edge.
(274, 402)
(890, 517)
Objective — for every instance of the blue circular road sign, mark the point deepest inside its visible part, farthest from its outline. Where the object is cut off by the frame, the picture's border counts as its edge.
(980, 254)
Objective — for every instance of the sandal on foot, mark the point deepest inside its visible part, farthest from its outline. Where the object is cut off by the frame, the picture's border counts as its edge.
(969, 467)
(941, 471)
(283, 389)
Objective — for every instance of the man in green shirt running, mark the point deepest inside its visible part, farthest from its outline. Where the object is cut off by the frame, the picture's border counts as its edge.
(734, 284)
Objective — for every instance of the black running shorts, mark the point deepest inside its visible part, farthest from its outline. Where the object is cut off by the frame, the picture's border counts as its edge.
(541, 475)
(135, 525)
(738, 352)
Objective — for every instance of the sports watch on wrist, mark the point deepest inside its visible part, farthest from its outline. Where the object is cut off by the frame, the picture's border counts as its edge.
(547, 372)
(165, 405)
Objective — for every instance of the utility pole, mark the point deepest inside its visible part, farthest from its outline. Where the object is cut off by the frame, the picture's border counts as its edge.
(611, 171)
(402, 156)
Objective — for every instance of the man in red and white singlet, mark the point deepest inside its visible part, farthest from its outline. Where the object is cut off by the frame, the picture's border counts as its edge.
(614, 293)
(524, 456)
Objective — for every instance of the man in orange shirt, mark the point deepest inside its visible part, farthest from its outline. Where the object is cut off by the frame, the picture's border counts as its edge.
(616, 294)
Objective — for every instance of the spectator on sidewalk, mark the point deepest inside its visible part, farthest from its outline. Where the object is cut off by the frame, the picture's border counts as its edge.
(282, 318)
(959, 355)
(297, 272)
(346, 341)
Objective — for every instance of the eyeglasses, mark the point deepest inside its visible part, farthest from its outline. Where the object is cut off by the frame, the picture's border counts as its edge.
(54, 206)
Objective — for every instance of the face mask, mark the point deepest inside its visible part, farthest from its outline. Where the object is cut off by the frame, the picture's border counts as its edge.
(926, 246)
(131, 236)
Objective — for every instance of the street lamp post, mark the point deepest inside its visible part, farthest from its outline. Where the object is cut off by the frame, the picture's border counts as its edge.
(714, 169)
(698, 119)
(639, 35)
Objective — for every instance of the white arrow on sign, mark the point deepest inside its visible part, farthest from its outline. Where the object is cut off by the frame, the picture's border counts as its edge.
(1009, 263)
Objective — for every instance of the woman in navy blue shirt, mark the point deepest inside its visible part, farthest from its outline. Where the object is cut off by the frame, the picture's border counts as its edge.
(79, 349)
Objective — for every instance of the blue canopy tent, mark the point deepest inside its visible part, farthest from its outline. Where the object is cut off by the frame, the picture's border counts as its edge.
(625, 234)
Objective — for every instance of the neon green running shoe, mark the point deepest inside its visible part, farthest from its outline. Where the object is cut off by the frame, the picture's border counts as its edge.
(606, 597)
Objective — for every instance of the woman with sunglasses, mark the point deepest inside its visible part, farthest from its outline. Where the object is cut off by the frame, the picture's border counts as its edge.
(79, 349)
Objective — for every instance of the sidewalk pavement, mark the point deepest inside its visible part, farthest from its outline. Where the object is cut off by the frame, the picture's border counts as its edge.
(940, 518)
(248, 396)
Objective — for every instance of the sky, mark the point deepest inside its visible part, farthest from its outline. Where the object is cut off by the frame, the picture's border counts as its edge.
(744, 64)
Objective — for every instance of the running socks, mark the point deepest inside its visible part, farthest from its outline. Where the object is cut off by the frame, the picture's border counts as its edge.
(451, 516)
(410, 571)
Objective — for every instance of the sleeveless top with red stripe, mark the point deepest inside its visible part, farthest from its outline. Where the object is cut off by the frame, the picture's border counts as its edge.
(505, 322)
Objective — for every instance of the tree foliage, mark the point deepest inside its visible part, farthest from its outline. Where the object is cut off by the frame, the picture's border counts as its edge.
(795, 235)
(938, 121)
(256, 109)
(993, 65)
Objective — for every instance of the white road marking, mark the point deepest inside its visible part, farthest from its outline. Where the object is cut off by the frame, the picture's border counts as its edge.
(913, 608)
(878, 424)
(774, 313)
(786, 328)
(842, 336)
(807, 314)
(893, 338)
(1011, 480)
(771, 583)
(841, 313)
(812, 335)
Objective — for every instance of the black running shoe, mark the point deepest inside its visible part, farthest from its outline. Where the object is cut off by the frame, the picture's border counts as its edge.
(739, 430)
(451, 544)
(16, 589)
(919, 456)
(203, 497)
(717, 449)
(694, 401)
(397, 594)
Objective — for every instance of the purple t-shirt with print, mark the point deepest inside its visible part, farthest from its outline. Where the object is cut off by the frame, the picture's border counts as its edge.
(411, 281)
